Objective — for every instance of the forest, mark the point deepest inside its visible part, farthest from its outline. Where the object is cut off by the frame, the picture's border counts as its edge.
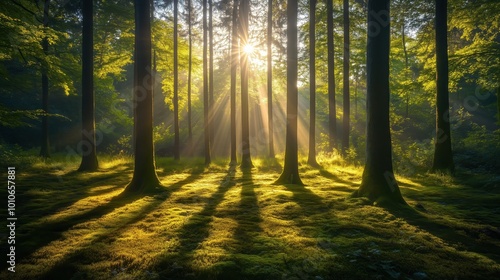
(244, 139)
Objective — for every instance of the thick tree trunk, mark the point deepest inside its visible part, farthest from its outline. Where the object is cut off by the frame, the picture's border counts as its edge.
(270, 77)
(89, 155)
(234, 64)
(378, 183)
(205, 86)
(144, 178)
(311, 160)
(190, 69)
(246, 160)
(332, 110)
(443, 156)
(290, 173)
(176, 84)
(346, 95)
(45, 145)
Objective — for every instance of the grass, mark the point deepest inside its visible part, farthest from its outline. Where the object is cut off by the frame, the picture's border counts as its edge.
(221, 223)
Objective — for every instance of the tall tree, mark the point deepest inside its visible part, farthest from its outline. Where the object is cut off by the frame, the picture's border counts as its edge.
(378, 183)
(332, 111)
(89, 155)
(443, 156)
(246, 161)
(45, 146)
(144, 178)
(234, 64)
(176, 83)
(205, 86)
(290, 174)
(211, 72)
(190, 70)
(270, 77)
(346, 93)
(312, 83)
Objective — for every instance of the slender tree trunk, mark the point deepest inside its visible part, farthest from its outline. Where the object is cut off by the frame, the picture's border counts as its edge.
(405, 51)
(211, 74)
(176, 84)
(332, 111)
(89, 155)
(290, 173)
(346, 106)
(234, 64)
(443, 156)
(312, 83)
(144, 178)
(190, 69)
(246, 161)
(378, 182)
(45, 146)
(270, 77)
(205, 85)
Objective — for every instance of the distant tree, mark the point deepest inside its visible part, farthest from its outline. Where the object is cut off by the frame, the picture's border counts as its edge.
(346, 95)
(246, 161)
(176, 83)
(45, 146)
(234, 64)
(332, 110)
(312, 86)
(378, 182)
(211, 112)
(290, 174)
(443, 156)
(89, 155)
(190, 70)
(270, 77)
(144, 178)
(205, 86)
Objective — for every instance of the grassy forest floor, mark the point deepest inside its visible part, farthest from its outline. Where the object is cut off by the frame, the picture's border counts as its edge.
(221, 223)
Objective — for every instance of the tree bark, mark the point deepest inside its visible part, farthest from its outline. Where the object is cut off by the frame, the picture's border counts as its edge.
(176, 84)
(205, 86)
(270, 77)
(378, 183)
(45, 144)
(246, 160)
(211, 74)
(89, 154)
(443, 156)
(311, 160)
(144, 178)
(234, 64)
(332, 111)
(190, 69)
(346, 94)
(290, 174)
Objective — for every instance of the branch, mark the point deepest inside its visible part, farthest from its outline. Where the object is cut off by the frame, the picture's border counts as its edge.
(27, 10)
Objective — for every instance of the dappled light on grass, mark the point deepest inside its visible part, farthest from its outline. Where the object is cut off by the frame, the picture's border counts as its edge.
(216, 222)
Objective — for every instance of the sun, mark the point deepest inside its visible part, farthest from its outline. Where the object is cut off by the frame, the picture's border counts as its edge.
(248, 49)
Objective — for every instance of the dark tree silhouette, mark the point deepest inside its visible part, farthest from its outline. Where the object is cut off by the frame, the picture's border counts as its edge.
(144, 178)
(378, 183)
(176, 83)
(290, 174)
(89, 155)
(205, 86)
(45, 145)
(332, 110)
(346, 93)
(234, 64)
(311, 160)
(246, 160)
(443, 156)
(270, 77)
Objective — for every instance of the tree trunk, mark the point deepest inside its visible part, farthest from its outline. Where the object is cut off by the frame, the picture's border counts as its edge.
(89, 155)
(45, 145)
(190, 69)
(378, 183)
(332, 111)
(234, 64)
(443, 156)
(144, 178)
(346, 105)
(205, 86)
(270, 77)
(176, 84)
(246, 161)
(290, 173)
(405, 51)
(312, 83)
(211, 74)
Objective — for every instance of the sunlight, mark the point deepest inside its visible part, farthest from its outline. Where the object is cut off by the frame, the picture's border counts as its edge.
(248, 49)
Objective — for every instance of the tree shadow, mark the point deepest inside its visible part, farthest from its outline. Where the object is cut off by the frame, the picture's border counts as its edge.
(327, 174)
